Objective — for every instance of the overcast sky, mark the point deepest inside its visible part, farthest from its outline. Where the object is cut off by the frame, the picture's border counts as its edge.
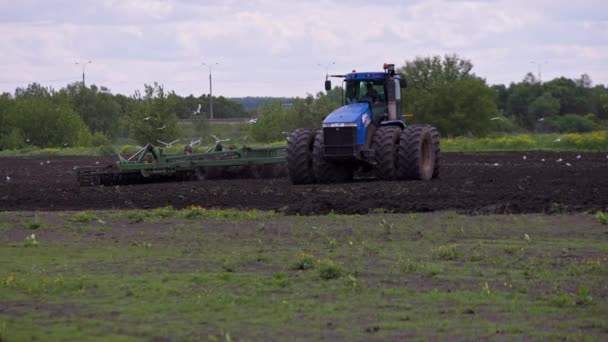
(274, 47)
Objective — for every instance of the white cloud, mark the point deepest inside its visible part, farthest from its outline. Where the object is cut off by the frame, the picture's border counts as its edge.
(273, 48)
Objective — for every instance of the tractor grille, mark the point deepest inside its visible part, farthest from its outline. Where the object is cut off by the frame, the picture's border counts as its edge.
(340, 141)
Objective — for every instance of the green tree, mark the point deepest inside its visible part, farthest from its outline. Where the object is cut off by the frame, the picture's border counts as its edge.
(544, 106)
(443, 92)
(47, 122)
(152, 116)
(96, 106)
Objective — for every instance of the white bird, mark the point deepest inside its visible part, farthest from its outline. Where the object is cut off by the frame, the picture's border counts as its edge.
(578, 157)
(198, 110)
(75, 167)
(8, 179)
(525, 158)
(41, 163)
(96, 163)
(496, 164)
(147, 118)
(48, 161)
(161, 128)
(557, 140)
(542, 160)
(497, 118)
(66, 144)
(27, 140)
(559, 160)
(541, 119)
(169, 145)
(568, 164)
(253, 120)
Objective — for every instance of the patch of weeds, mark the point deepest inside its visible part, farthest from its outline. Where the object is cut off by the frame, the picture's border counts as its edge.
(35, 224)
(280, 279)
(303, 262)
(601, 217)
(485, 290)
(151, 215)
(558, 208)
(331, 243)
(228, 265)
(142, 244)
(445, 252)
(477, 254)
(329, 269)
(381, 211)
(196, 212)
(581, 298)
(369, 249)
(386, 227)
(85, 216)
(30, 241)
(410, 266)
(510, 250)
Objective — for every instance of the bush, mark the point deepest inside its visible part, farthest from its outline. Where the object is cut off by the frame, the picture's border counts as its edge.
(571, 123)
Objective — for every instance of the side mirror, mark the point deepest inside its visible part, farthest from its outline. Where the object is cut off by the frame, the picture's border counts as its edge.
(327, 85)
(403, 83)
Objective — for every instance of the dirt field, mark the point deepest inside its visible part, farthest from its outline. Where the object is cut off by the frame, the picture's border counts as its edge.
(470, 183)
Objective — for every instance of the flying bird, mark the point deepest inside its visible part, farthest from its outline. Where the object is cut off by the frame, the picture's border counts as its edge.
(161, 128)
(147, 118)
(169, 145)
(559, 160)
(198, 110)
(578, 157)
(497, 118)
(568, 164)
(541, 119)
(557, 140)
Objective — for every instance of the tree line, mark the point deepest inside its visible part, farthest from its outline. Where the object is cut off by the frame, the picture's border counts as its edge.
(93, 116)
(442, 91)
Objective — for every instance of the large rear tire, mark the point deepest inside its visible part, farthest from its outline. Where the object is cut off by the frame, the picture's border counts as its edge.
(416, 153)
(327, 172)
(299, 156)
(385, 145)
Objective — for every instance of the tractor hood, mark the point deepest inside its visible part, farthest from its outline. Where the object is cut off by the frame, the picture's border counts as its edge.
(349, 114)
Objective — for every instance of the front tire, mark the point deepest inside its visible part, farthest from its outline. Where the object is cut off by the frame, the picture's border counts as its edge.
(417, 152)
(299, 156)
(385, 145)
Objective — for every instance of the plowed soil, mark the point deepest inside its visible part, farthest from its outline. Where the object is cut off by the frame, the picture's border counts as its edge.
(475, 183)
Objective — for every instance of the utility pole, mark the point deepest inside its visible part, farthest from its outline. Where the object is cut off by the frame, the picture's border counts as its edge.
(83, 64)
(539, 64)
(326, 66)
(210, 65)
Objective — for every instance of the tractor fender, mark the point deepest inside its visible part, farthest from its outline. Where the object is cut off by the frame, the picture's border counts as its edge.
(397, 123)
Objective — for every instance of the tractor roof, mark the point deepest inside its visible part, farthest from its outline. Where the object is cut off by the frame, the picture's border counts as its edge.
(375, 75)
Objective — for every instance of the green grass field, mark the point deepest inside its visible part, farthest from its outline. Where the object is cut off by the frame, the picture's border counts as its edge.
(225, 275)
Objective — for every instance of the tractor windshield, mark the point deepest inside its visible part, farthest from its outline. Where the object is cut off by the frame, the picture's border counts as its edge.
(365, 91)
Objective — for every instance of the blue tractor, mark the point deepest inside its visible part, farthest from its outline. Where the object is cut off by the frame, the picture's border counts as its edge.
(365, 136)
